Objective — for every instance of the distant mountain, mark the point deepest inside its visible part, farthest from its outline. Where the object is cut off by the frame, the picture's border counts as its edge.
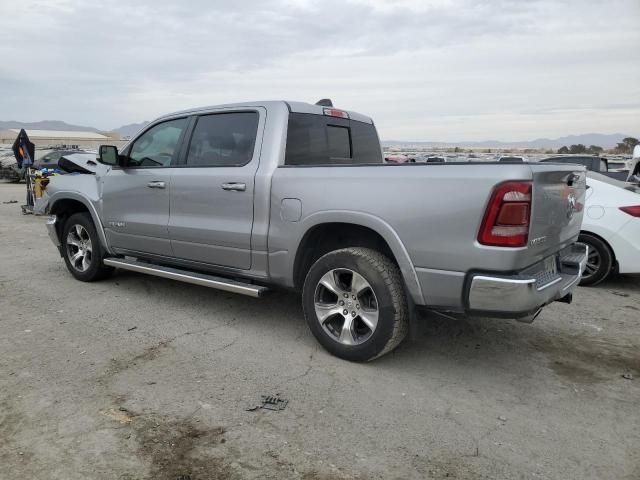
(131, 129)
(600, 139)
(46, 125)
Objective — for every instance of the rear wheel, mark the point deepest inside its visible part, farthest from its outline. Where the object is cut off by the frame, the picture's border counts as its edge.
(355, 305)
(599, 260)
(82, 250)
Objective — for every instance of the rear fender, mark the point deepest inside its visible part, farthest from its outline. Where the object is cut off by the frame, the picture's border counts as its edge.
(377, 225)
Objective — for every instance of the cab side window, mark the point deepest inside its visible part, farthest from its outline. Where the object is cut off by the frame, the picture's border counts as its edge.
(223, 140)
(158, 146)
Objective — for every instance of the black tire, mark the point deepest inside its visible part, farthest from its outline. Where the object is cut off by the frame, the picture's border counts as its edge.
(384, 296)
(600, 261)
(93, 269)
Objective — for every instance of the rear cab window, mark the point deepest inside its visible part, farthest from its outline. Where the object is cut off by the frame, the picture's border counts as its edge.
(323, 140)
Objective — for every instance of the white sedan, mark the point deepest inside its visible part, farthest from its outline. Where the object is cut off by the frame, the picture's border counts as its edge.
(611, 228)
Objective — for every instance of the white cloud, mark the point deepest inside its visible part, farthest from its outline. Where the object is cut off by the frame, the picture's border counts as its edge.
(437, 70)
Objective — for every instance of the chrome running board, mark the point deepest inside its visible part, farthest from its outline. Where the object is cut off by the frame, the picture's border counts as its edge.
(186, 276)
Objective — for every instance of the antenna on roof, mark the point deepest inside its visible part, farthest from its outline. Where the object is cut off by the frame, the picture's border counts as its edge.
(325, 102)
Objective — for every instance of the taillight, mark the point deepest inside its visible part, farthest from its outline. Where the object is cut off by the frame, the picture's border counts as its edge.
(506, 221)
(633, 211)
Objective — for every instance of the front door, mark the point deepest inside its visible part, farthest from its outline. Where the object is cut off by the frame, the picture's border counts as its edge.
(135, 198)
(212, 193)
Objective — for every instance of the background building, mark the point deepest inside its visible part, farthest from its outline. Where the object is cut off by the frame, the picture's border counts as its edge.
(51, 138)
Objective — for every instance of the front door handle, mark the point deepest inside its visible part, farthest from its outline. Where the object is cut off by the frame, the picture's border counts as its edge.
(238, 187)
(156, 184)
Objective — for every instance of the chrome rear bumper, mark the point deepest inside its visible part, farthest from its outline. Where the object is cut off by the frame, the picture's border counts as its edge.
(524, 293)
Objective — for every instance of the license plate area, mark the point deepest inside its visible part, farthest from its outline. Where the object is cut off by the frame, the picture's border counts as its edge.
(550, 265)
(545, 272)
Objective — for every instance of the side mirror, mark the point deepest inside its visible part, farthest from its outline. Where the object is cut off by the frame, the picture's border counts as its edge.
(108, 155)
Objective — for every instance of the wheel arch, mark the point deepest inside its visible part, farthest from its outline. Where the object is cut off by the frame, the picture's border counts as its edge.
(63, 206)
(602, 239)
(353, 230)
(614, 263)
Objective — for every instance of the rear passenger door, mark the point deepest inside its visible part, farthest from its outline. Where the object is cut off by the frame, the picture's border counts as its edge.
(211, 207)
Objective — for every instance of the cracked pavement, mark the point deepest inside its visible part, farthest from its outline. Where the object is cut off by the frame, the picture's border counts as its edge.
(477, 399)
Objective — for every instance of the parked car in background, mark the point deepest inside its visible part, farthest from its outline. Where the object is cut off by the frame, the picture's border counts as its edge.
(398, 158)
(591, 162)
(255, 195)
(435, 159)
(634, 166)
(50, 159)
(45, 157)
(9, 169)
(512, 159)
(611, 228)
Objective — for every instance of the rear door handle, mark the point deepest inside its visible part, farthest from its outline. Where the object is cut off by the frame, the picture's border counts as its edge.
(156, 184)
(238, 187)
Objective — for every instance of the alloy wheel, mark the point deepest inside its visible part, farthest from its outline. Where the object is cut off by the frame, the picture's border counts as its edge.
(79, 248)
(593, 263)
(346, 306)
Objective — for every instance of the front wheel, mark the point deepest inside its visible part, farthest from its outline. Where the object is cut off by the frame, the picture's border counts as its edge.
(355, 304)
(82, 250)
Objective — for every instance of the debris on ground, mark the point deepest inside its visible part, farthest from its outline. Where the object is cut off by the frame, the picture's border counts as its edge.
(10, 201)
(627, 376)
(116, 415)
(502, 418)
(131, 329)
(270, 402)
(620, 294)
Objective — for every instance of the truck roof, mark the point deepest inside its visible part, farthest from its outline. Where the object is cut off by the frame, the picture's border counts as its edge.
(295, 107)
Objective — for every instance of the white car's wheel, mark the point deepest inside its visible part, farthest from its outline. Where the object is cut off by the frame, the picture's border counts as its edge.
(599, 260)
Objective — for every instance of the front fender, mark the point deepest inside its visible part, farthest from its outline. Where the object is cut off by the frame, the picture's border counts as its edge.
(84, 200)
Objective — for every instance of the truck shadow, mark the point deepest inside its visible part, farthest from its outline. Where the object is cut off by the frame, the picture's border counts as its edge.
(470, 345)
(627, 282)
(507, 347)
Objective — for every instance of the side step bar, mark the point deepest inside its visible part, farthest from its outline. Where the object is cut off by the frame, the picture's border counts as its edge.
(202, 279)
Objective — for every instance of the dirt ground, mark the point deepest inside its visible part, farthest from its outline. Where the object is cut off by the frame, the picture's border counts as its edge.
(138, 377)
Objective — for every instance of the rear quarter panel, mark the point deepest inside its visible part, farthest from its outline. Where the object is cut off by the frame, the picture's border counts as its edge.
(434, 210)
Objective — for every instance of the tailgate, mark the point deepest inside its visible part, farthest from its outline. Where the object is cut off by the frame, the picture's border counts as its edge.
(557, 206)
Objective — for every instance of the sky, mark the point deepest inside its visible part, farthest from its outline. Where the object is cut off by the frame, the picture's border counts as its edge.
(423, 70)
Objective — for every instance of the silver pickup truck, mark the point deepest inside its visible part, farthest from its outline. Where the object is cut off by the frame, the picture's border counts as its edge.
(248, 196)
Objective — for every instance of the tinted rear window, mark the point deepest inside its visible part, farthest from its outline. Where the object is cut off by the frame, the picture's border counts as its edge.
(322, 140)
(339, 140)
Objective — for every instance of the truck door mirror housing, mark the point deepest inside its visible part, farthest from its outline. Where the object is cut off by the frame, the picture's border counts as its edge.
(108, 155)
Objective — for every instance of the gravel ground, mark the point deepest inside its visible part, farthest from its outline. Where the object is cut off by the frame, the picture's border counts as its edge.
(138, 377)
